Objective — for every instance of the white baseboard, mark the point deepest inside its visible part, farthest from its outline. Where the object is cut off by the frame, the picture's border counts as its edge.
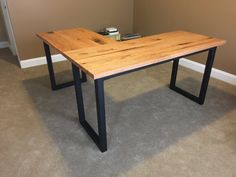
(40, 61)
(216, 73)
(4, 44)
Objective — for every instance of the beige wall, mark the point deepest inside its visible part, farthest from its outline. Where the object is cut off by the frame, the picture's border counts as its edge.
(31, 16)
(3, 34)
(210, 17)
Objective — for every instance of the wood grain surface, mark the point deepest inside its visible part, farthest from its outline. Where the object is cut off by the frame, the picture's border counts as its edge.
(118, 57)
(72, 39)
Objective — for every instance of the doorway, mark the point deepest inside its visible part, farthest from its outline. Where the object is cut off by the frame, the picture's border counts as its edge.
(7, 29)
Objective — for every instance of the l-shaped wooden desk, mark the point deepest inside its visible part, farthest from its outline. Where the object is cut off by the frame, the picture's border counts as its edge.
(102, 58)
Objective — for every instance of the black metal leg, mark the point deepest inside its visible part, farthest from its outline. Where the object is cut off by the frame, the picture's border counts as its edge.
(54, 85)
(174, 72)
(79, 95)
(100, 138)
(50, 66)
(207, 74)
(84, 77)
(202, 95)
(99, 90)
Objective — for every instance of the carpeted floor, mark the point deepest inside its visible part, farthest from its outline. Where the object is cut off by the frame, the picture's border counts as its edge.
(152, 130)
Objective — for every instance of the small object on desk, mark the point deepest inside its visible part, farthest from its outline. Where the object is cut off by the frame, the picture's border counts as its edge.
(111, 32)
(126, 37)
(104, 33)
(114, 36)
(111, 29)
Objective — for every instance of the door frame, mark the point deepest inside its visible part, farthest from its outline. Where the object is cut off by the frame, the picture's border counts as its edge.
(9, 29)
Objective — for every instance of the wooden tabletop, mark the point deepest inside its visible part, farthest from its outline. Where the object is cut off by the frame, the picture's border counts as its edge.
(72, 39)
(118, 57)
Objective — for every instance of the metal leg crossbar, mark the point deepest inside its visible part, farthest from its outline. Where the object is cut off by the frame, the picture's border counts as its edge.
(52, 77)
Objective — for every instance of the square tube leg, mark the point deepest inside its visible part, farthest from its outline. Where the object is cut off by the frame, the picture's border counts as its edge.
(50, 66)
(207, 75)
(99, 91)
(174, 72)
(200, 99)
(78, 92)
(100, 139)
(54, 85)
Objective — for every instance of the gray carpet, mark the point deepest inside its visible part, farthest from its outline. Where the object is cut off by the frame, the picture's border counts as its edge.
(152, 130)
